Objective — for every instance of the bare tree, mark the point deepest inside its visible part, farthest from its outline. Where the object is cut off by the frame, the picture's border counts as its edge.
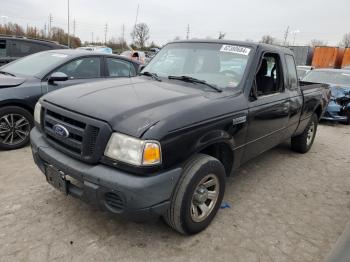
(317, 42)
(267, 39)
(221, 35)
(177, 38)
(346, 40)
(140, 34)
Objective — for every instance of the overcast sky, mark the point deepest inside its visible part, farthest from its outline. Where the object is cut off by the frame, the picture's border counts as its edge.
(240, 20)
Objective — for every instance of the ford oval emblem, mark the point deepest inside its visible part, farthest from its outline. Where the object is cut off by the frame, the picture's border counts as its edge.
(60, 131)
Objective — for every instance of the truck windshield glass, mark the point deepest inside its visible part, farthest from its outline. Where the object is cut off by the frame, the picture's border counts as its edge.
(328, 77)
(34, 64)
(218, 64)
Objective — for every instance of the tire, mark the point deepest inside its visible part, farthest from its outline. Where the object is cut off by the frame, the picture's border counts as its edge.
(15, 125)
(188, 195)
(303, 142)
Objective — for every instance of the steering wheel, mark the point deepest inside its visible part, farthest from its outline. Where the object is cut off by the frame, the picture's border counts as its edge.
(231, 72)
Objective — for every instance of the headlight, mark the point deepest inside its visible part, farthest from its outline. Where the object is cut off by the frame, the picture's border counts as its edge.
(37, 113)
(133, 151)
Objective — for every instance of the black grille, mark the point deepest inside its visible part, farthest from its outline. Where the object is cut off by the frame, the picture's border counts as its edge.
(114, 201)
(84, 134)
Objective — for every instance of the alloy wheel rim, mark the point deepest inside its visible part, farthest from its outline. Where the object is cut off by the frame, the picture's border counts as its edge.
(14, 129)
(310, 134)
(204, 198)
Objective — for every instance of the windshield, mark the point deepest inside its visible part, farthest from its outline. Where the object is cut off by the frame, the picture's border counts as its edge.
(328, 77)
(34, 64)
(217, 64)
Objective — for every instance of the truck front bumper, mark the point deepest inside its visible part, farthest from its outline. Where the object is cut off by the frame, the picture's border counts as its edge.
(133, 196)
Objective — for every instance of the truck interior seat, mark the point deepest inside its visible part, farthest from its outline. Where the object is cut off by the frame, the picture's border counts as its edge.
(265, 83)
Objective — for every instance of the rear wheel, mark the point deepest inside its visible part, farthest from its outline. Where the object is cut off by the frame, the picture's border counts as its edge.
(15, 125)
(303, 142)
(198, 195)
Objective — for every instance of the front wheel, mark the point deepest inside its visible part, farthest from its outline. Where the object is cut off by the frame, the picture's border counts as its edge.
(303, 142)
(198, 195)
(15, 125)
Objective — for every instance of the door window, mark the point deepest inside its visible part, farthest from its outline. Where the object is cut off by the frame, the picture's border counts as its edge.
(3, 50)
(292, 73)
(119, 68)
(87, 67)
(269, 79)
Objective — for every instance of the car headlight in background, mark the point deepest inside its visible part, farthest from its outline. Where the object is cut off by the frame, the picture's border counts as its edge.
(37, 112)
(133, 150)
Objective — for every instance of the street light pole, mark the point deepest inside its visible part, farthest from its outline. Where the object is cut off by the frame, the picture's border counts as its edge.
(68, 27)
(295, 32)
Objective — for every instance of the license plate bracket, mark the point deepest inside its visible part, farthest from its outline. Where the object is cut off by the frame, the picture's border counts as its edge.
(56, 178)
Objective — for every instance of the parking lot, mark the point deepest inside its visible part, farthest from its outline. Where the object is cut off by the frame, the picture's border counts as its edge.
(283, 207)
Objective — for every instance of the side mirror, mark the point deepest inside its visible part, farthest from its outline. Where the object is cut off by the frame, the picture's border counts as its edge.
(58, 76)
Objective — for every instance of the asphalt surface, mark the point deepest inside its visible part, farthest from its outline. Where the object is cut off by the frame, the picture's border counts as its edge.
(284, 206)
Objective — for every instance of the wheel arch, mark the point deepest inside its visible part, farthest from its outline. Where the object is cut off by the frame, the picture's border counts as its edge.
(17, 103)
(318, 111)
(218, 144)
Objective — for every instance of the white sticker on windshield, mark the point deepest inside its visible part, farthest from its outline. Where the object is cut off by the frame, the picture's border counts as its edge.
(59, 55)
(235, 49)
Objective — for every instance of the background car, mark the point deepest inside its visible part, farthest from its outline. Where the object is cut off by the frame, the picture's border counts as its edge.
(24, 81)
(136, 55)
(12, 47)
(102, 49)
(339, 80)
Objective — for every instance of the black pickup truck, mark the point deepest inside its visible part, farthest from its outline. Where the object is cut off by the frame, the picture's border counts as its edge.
(162, 143)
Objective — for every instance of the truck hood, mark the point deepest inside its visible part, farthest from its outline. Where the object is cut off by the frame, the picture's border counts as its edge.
(10, 81)
(130, 105)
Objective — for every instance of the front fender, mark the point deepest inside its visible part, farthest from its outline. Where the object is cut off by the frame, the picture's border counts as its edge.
(213, 137)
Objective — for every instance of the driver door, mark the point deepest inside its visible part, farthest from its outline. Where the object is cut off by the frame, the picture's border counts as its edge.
(81, 70)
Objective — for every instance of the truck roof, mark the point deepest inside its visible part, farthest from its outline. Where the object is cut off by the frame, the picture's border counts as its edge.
(234, 42)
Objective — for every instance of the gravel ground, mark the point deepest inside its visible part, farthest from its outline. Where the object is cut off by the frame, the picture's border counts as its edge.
(284, 207)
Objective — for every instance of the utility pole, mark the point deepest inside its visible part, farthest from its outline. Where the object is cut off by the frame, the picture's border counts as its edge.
(137, 15)
(286, 35)
(92, 37)
(188, 32)
(50, 23)
(68, 27)
(123, 31)
(44, 33)
(106, 29)
(74, 26)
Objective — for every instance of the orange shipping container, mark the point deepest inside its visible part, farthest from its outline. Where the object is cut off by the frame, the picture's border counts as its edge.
(346, 58)
(327, 57)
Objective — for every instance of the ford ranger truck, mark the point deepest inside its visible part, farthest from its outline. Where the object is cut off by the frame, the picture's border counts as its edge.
(162, 143)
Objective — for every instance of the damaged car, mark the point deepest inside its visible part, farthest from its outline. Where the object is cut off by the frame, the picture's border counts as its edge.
(339, 80)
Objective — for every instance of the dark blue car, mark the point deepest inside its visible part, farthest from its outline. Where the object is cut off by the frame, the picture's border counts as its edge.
(339, 80)
(25, 80)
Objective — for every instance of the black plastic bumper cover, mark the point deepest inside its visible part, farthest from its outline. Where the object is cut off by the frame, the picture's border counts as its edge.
(143, 197)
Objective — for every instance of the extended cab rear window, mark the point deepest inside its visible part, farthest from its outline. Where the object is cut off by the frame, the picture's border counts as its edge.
(292, 71)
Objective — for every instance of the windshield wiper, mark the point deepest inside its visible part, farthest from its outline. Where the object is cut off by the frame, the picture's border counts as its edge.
(195, 80)
(153, 75)
(7, 73)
